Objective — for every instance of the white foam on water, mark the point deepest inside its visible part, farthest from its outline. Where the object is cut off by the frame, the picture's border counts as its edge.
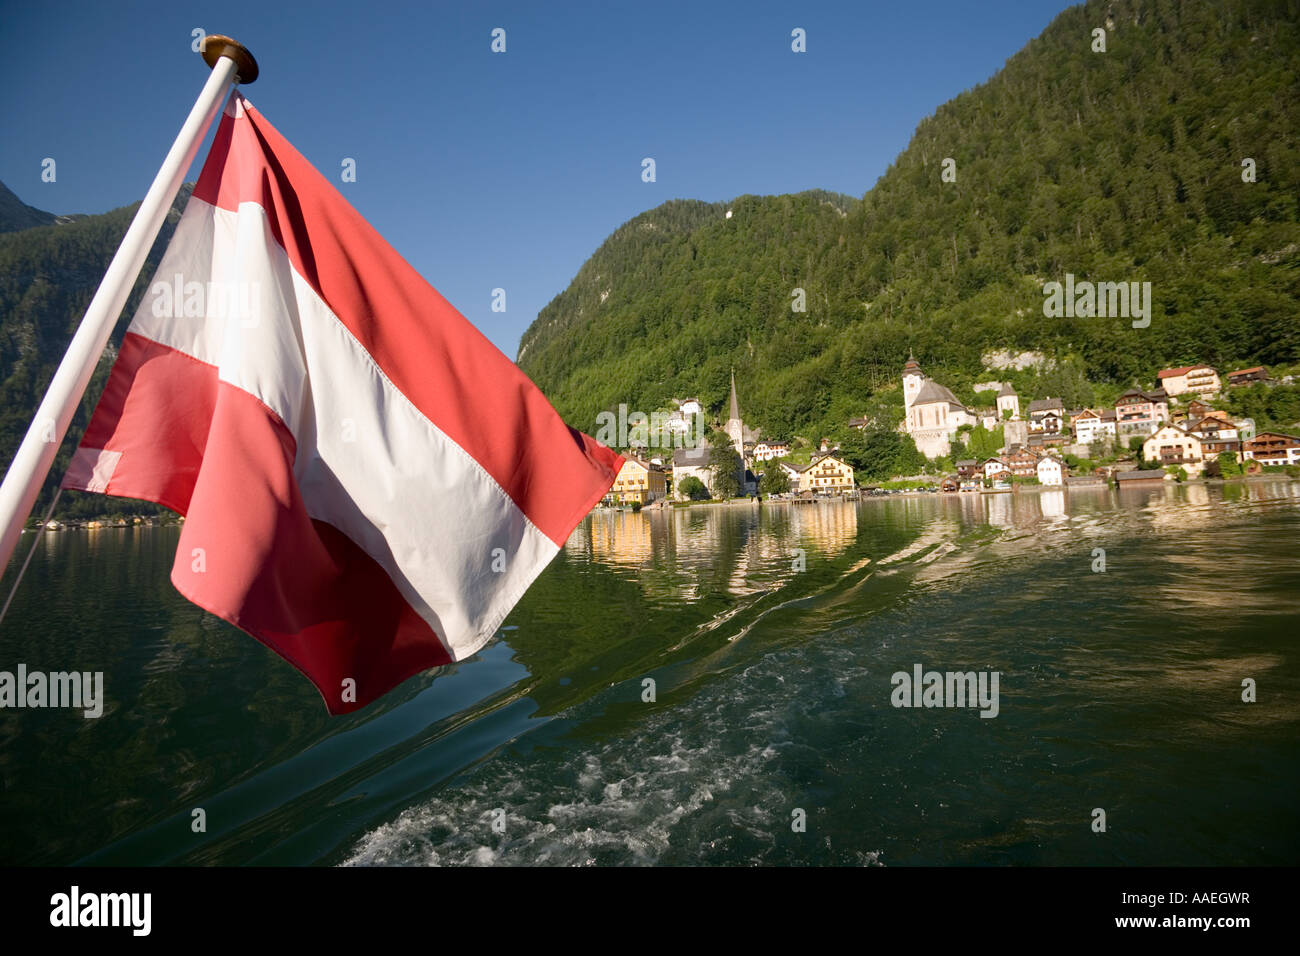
(699, 781)
(622, 807)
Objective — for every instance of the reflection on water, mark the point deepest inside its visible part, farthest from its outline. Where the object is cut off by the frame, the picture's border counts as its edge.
(1052, 503)
(744, 546)
(770, 632)
(749, 547)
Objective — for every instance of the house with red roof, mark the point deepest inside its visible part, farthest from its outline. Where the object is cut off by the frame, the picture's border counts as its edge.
(1194, 379)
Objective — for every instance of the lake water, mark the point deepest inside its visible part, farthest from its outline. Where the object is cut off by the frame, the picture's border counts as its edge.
(771, 634)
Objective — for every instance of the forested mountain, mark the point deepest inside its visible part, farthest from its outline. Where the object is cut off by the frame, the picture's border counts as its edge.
(47, 278)
(1125, 165)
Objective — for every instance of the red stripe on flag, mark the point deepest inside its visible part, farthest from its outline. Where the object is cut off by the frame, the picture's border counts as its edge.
(448, 369)
(216, 454)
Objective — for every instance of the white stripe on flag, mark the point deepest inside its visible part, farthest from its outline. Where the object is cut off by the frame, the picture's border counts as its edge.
(369, 462)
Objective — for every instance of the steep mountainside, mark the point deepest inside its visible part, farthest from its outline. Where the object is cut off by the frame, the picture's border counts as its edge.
(1116, 166)
(47, 278)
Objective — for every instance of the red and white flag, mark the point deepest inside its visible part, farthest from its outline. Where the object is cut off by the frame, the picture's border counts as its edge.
(369, 484)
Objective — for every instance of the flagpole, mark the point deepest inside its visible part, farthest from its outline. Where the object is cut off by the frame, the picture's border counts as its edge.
(231, 63)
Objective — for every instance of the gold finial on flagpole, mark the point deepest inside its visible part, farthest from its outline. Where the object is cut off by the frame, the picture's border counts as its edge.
(215, 46)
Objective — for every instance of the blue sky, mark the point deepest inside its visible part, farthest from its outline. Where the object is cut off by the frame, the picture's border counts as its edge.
(502, 170)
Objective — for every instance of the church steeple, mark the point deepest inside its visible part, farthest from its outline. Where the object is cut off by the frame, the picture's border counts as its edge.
(735, 427)
(913, 379)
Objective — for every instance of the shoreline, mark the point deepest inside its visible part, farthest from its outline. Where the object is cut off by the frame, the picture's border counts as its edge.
(1016, 489)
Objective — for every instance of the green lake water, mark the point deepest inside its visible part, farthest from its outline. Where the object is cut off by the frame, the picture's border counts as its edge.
(771, 634)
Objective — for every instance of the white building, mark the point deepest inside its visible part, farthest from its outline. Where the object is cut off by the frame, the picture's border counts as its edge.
(793, 472)
(1092, 425)
(768, 450)
(691, 463)
(678, 423)
(1008, 401)
(932, 413)
(1051, 471)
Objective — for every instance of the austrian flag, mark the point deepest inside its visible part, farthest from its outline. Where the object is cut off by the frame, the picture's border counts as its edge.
(369, 485)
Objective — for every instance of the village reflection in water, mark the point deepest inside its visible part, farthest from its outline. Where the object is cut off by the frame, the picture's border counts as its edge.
(744, 548)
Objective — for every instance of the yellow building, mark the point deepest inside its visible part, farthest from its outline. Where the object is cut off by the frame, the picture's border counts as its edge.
(827, 474)
(638, 481)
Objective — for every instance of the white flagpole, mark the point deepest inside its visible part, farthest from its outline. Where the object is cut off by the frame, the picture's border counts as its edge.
(230, 63)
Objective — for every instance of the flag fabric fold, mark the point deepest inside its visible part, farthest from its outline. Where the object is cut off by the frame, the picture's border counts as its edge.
(369, 485)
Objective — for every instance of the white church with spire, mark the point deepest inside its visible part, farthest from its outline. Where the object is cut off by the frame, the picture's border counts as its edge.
(932, 413)
(735, 428)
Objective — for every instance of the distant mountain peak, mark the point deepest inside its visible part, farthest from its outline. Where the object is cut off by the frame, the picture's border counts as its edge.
(16, 214)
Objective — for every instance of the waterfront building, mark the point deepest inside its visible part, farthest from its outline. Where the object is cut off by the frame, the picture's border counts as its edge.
(1272, 448)
(827, 473)
(1171, 445)
(638, 481)
(1051, 471)
(691, 463)
(1139, 477)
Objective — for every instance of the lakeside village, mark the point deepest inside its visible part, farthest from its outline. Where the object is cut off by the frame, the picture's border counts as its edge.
(1171, 432)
